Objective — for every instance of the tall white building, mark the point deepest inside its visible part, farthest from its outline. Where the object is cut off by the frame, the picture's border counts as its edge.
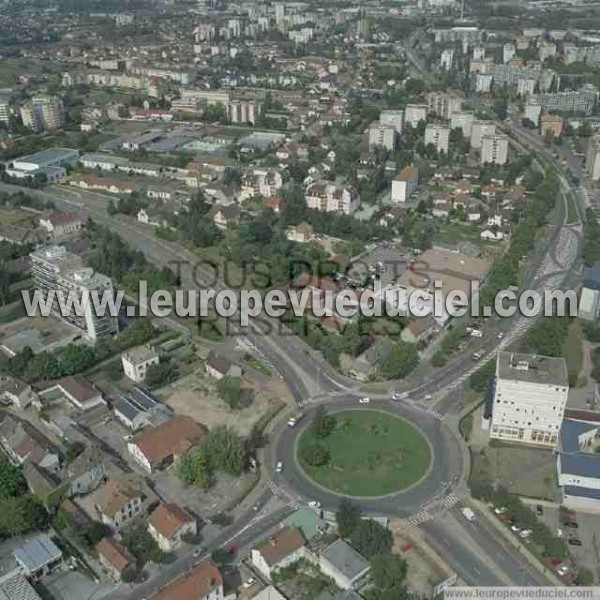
(43, 112)
(4, 109)
(463, 121)
(415, 113)
(480, 129)
(508, 52)
(529, 398)
(494, 149)
(447, 59)
(382, 136)
(438, 135)
(243, 111)
(483, 83)
(55, 269)
(405, 184)
(592, 161)
(533, 110)
(395, 118)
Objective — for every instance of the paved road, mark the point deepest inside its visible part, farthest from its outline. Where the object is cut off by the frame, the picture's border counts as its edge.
(446, 462)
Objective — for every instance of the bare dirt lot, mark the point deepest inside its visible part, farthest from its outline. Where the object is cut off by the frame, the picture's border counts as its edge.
(196, 396)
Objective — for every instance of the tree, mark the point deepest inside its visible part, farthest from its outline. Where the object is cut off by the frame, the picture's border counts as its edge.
(224, 450)
(314, 454)
(220, 556)
(347, 517)
(402, 358)
(162, 373)
(323, 423)
(389, 573)
(12, 482)
(21, 514)
(370, 538)
(143, 546)
(74, 450)
(194, 467)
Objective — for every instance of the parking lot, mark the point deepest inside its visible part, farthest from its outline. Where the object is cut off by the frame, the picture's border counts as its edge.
(585, 529)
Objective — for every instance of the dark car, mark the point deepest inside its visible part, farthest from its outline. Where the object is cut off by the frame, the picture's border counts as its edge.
(574, 542)
(572, 524)
(539, 509)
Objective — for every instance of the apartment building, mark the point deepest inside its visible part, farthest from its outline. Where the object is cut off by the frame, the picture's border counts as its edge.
(42, 113)
(382, 135)
(576, 101)
(405, 184)
(443, 104)
(494, 149)
(447, 58)
(462, 121)
(243, 111)
(53, 269)
(479, 129)
(438, 135)
(592, 161)
(395, 118)
(415, 113)
(332, 197)
(529, 398)
(136, 362)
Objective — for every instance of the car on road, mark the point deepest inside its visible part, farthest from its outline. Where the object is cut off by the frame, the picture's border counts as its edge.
(468, 514)
(572, 525)
(500, 335)
(428, 396)
(279, 467)
(198, 551)
(477, 355)
(314, 505)
(399, 395)
(476, 333)
(292, 422)
(364, 400)
(574, 542)
(559, 533)
(231, 549)
(539, 509)
(248, 583)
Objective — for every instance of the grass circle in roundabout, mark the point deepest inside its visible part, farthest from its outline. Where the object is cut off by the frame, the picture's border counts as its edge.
(370, 453)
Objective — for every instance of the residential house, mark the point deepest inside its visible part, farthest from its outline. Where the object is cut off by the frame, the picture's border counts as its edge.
(281, 549)
(117, 503)
(303, 232)
(76, 390)
(104, 184)
(157, 447)
(60, 224)
(114, 557)
(38, 556)
(218, 366)
(136, 362)
(86, 472)
(22, 442)
(139, 409)
(225, 215)
(15, 391)
(203, 582)
(274, 203)
(169, 524)
(418, 330)
(345, 565)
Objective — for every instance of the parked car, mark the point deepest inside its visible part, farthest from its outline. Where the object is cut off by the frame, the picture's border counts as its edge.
(468, 514)
(515, 528)
(500, 510)
(292, 422)
(539, 509)
(574, 542)
(399, 395)
(572, 525)
(198, 551)
(476, 355)
(563, 570)
(364, 400)
(279, 467)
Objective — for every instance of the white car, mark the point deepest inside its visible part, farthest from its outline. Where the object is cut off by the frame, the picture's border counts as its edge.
(515, 528)
(500, 510)
(279, 467)
(562, 570)
(314, 505)
(364, 400)
(428, 396)
(468, 514)
(500, 335)
(525, 533)
(399, 395)
(292, 422)
(476, 333)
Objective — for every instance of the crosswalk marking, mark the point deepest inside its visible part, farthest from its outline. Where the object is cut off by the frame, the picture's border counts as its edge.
(450, 500)
(280, 492)
(421, 517)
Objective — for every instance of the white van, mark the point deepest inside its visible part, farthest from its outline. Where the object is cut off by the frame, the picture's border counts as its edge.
(468, 514)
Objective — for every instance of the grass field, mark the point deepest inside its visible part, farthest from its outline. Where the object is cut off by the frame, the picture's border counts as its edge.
(371, 454)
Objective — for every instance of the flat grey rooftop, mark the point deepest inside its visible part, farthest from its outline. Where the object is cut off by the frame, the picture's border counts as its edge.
(532, 368)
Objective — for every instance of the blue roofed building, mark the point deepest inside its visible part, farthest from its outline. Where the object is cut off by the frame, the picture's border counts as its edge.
(578, 463)
(38, 557)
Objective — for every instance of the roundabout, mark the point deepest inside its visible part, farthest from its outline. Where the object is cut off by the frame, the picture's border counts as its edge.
(428, 458)
(369, 453)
